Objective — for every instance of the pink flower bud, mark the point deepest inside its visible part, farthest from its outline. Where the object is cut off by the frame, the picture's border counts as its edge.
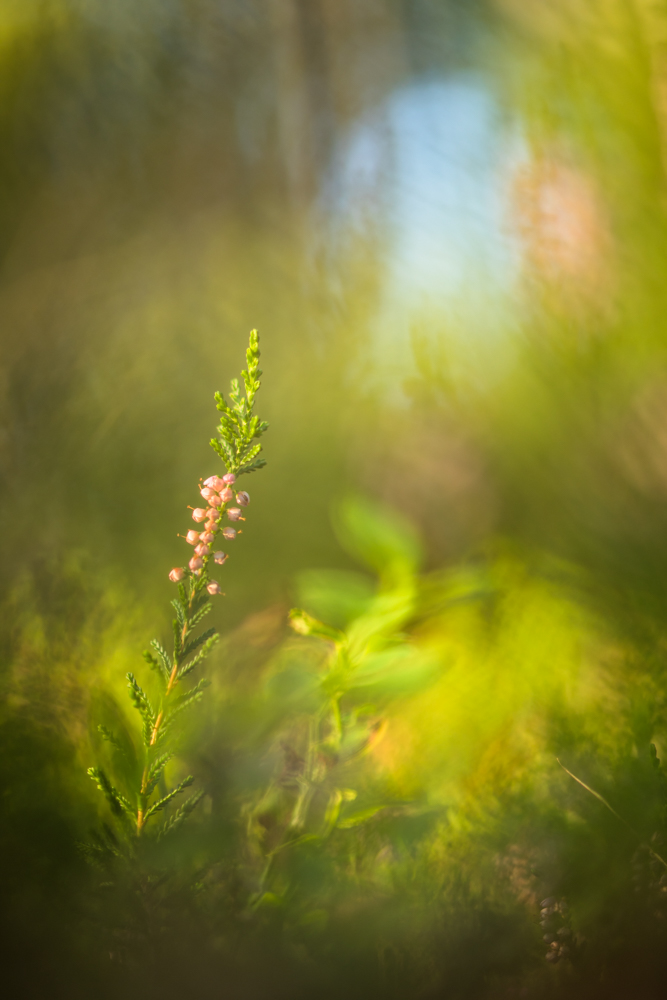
(201, 549)
(211, 526)
(220, 557)
(226, 494)
(211, 512)
(215, 500)
(195, 563)
(199, 514)
(234, 514)
(177, 573)
(207, 493)
(215, 483)
(214, 587)
(207, 537)
(229, 478)
(192, 537)
(228, 533)
(243, 498)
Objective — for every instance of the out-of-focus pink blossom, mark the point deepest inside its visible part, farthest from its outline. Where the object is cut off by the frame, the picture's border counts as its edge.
(226, 494)
(207, 537)
(229, 478)
(234, 514)
(243, 498)
(199, 514)
(207, 493)
(211, 526)
(201, 549)
(566, 230)
(214, 483)
(212, 512)
(195, 563)
(177, 573)
(192, 537)
(229, 533)
(215, 500)
(220, 557)
(214, 587)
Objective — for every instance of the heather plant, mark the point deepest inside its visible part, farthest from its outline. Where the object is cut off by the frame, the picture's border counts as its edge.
(143, 759)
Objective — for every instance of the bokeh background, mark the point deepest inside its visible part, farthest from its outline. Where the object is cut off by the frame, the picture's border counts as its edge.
(447, 220)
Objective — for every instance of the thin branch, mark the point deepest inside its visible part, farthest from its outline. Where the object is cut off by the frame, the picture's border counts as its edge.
(614, 813)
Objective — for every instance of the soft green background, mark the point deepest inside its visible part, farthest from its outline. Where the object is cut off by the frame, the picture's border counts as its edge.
(486, 361)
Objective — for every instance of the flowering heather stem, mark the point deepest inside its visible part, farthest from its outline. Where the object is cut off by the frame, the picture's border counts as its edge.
(239, 428)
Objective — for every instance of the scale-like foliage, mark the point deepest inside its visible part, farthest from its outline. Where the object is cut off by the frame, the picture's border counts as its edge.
(180, 814)
(155, 771)
(195, 661)
(118, 803)
(239, 428)
(209, 634)
(166, 799)
(157, 665)
(111, 738)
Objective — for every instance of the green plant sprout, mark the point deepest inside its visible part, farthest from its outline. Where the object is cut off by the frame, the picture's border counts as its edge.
(238, 432)
(310, 797)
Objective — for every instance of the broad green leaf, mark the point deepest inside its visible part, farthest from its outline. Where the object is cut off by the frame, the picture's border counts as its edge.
(380, 537)
(335, 596)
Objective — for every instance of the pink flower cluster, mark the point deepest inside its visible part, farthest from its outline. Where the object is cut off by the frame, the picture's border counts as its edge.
(217, 492)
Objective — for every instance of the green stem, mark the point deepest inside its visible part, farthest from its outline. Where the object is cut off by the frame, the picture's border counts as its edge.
(614, 813)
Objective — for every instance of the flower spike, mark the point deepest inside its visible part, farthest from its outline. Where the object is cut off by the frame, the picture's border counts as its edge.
(238, 429)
